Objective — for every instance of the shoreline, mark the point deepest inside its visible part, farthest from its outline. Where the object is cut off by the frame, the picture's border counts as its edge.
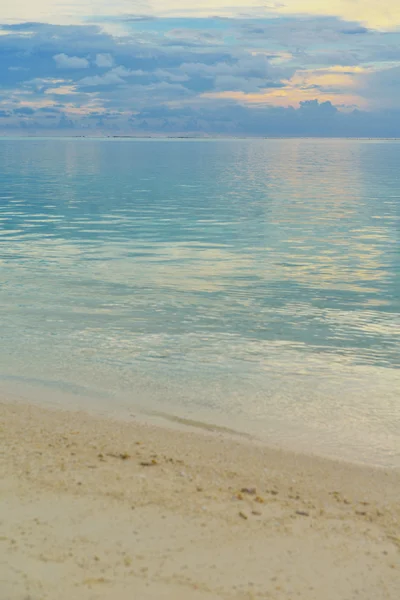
(99, 508)
(294, 437)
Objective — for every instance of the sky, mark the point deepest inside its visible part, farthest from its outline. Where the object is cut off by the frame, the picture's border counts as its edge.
(210, 67)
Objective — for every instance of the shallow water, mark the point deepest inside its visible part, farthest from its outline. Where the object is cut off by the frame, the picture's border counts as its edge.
(250, 283)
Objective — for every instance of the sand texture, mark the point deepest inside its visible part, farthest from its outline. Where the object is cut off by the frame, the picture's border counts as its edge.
(92, 508)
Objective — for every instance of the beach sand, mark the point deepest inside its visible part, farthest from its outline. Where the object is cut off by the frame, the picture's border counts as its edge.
(94, 508)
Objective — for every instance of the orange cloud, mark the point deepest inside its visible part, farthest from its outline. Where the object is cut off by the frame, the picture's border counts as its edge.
(337, 84)
(381, 14)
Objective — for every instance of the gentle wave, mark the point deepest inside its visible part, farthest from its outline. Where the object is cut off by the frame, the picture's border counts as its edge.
(270, 264)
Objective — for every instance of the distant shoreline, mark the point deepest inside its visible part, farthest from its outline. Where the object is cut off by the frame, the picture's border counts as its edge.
(191, 137)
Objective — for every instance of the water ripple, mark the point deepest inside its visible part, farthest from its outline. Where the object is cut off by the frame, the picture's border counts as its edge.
(254, 260)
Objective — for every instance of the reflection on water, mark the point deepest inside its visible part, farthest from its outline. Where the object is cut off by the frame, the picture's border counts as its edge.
(266, 273)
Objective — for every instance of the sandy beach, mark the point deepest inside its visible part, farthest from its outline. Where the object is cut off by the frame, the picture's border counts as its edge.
(93, 508)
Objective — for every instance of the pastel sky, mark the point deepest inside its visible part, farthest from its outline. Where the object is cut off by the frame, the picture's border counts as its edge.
(230, 67)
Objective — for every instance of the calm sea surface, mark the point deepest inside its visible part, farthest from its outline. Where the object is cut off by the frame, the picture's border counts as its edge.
(252, 284)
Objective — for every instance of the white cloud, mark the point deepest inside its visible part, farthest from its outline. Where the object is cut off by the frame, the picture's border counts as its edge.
(122, 71)
(104, 61)
(63, 61)
(113, 77)
(171, 76)
(110, 78)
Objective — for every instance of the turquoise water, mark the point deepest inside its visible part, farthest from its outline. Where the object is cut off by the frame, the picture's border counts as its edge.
(250, 283)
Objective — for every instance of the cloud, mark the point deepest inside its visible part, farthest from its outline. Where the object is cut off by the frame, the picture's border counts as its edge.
(358, 30)
(114, 77)
(310, 119)
(372, 83)
(382, 14)
(110, 78)
(282, 75)
(63, 61)
(65, 123)
(190, 37)
(104, 61)
(49, 109)
(24, 111)
(138, 18)
(17, 69)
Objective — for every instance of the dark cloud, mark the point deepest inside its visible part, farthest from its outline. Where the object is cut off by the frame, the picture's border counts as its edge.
(355, 30)
(24, 111)
(312, 118)
(65, 123)
(28, 26)
(48, 109)
(387, 79)
(295, 32)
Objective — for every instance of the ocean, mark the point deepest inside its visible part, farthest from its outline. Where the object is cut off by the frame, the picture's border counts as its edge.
(246, 285)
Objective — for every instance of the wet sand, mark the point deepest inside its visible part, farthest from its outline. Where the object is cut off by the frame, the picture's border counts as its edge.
(93, 508)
